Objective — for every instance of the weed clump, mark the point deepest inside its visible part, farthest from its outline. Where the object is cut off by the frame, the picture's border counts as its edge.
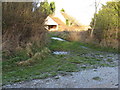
(37, 56)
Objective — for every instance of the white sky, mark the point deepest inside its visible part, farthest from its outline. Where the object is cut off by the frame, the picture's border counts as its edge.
(82, 10)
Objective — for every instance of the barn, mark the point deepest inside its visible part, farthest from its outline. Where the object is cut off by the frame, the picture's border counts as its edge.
(50, 24)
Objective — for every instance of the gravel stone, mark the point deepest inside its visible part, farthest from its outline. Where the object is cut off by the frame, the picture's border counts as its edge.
(81, 79)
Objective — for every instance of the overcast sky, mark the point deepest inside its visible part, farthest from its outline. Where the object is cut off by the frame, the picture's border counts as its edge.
(82, 10)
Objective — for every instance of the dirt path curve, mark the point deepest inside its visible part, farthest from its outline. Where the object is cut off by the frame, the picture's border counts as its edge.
(102, 77)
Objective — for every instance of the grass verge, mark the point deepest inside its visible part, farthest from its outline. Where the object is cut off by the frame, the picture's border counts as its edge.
(65, 35)
(51, 65)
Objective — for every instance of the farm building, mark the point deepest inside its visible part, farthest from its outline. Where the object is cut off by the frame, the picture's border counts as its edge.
(50, 24)
(53, 23)
(63, 22)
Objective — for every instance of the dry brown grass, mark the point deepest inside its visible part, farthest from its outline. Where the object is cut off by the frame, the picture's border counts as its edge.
(22, 27)
(84, 36)
(25, 32)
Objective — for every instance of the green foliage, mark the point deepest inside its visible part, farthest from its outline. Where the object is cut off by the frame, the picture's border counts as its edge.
(62, 10)
(97, 78)
(67, 22)
(47, 8)
(107, 20)
(52, 7)
(44, 7)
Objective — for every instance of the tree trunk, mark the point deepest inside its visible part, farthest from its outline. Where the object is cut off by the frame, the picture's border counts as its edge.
(91, 35)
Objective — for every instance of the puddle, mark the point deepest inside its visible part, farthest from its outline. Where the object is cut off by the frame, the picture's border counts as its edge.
(56, 38)
(60, 52)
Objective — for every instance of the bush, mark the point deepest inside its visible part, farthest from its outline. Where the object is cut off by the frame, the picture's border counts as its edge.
(22, 28)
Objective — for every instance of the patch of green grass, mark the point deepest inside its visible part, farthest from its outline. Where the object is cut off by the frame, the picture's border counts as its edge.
(109, 60)
(83, 67)
(105, 65)
(48, 67)
(100, 48)
(97, 78)
(68, 67)
(74, 47)
(95, 47)
(59, 45)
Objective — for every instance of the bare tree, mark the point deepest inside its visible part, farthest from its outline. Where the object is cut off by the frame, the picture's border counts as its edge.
(94, 23)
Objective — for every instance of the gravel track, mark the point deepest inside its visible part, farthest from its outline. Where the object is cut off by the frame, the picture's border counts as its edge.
(102, 77)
